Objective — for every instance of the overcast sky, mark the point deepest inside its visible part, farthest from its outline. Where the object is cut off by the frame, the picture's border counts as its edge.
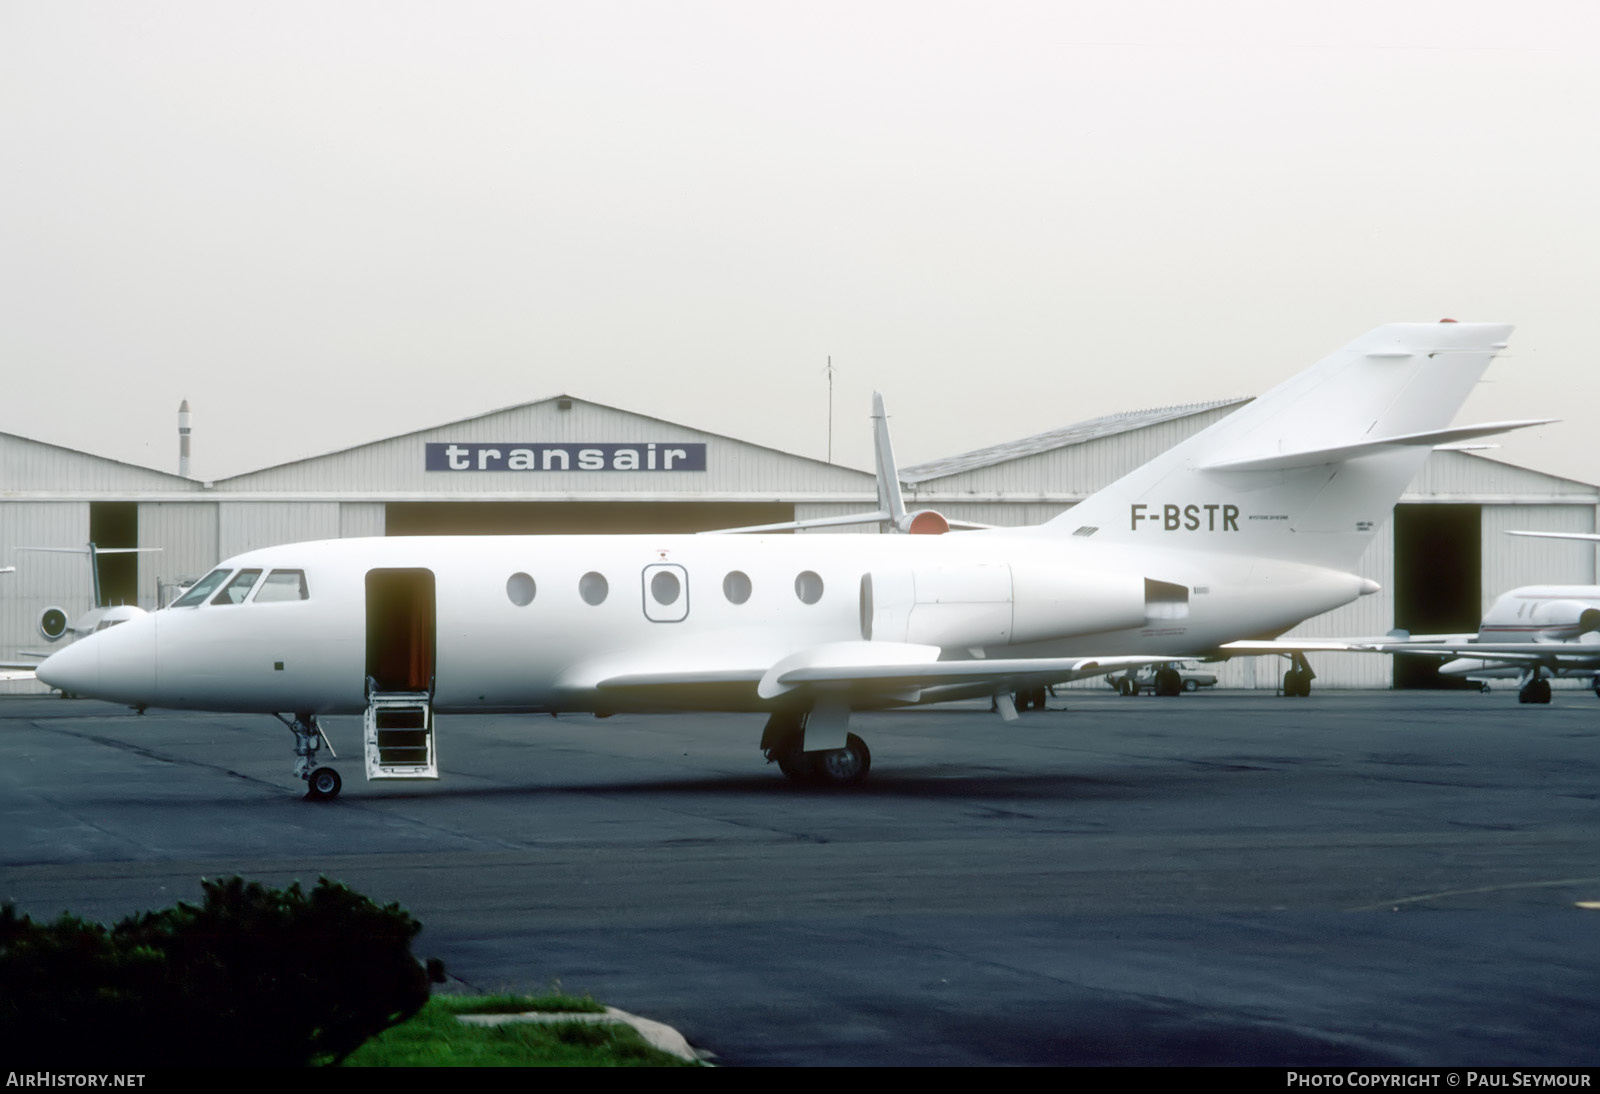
(326, 223)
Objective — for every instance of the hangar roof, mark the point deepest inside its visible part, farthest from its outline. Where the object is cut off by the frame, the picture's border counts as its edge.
(513, 438)
(1108, 425)
(29, 466)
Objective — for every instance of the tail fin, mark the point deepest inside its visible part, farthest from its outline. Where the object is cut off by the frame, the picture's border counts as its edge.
(889, 499)
(1311, 469)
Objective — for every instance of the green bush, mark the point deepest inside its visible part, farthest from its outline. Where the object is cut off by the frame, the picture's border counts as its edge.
(251, 976)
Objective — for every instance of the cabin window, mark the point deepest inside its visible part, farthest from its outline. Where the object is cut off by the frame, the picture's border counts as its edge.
(237, 589)
(202, 589)
(736, 587)
(593, 588)
(808, 587)
(521, 589)
(282, 585)
(666, 587)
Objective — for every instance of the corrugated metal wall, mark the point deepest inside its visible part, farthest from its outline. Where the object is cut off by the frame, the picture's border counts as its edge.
(41, 580)
(186, 532)
(245, 525)
(360, 519)
(1510, 561)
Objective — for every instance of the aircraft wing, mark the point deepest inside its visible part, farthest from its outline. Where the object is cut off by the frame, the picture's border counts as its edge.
(1568, 655)
(1310, 645)
(887, 672)
(1552, 654)
(18, 670)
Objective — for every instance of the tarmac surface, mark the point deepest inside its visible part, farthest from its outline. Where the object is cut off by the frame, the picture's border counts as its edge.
(1358, 878)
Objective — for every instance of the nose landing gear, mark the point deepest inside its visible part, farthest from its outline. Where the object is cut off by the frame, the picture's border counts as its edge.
(322, 783)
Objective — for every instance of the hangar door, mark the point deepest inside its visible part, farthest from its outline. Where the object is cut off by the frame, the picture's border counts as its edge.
(1438, 582)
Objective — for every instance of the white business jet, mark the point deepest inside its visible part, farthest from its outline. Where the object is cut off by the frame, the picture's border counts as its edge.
(1242, 531)
(1534, 632)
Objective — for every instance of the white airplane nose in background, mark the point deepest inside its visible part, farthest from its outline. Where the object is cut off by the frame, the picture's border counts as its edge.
(118, 664)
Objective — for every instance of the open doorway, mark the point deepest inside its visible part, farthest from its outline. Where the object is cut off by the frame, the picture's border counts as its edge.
(1438, 582)
(400, 630)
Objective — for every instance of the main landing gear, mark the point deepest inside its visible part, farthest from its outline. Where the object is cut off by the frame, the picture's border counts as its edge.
(784, 744)
(322, 783)
(1536, 689)
(1168, 681)
(1297, 681)
(1034, 698)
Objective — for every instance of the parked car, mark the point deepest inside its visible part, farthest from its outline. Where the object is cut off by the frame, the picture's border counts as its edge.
(1144, 679)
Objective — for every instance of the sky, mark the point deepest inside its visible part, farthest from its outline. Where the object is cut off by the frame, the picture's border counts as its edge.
(328, 223)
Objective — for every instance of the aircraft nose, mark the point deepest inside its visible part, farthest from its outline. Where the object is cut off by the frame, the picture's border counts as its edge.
(118, 664)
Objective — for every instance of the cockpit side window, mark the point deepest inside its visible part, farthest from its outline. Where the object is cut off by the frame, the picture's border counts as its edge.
(201, 589)
(237, 589)
(283, 585)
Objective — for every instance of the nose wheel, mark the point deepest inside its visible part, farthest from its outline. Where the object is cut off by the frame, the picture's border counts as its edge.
(324, 784)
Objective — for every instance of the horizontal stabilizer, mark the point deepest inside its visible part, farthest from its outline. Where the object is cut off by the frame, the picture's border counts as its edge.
(1283, 461)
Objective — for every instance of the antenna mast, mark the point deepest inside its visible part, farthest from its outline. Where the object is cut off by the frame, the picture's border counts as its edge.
(830, 407)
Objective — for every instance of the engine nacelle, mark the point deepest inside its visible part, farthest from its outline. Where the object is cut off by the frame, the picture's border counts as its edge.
(1562, 614)
(997, 604)
(924, 522)
(53, 623)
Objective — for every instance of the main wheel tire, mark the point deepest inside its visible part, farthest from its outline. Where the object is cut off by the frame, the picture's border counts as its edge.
(844, 766)
(795, 764)
(1169, 682)
(324, 784)
(1038, 698)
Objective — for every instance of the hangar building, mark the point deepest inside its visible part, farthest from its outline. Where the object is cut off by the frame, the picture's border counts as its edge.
(566, 465)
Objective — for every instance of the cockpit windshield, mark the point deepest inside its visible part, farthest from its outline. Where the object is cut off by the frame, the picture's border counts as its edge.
(283, 585)
(201, 589)
(236, 590)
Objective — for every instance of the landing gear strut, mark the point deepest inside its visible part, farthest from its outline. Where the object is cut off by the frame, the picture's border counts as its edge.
(322, 783)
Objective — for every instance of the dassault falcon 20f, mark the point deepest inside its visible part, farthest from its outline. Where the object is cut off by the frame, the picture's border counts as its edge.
(1239, 532)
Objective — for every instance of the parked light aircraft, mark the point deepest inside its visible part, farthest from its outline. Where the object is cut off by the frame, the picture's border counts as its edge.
(54, 624)
(1241, 531)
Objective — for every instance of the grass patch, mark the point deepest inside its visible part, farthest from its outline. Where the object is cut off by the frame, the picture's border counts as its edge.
(435, 1038)
(520, 1004)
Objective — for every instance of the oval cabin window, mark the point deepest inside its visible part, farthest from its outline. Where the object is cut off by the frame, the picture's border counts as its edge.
(736, 587)
(808, 587)
(593, 588)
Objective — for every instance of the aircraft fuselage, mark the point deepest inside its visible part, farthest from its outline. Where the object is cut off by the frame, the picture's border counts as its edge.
(540, 623)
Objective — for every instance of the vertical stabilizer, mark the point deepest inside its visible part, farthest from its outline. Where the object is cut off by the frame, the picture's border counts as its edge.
(889, 499)
(1311, 469)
